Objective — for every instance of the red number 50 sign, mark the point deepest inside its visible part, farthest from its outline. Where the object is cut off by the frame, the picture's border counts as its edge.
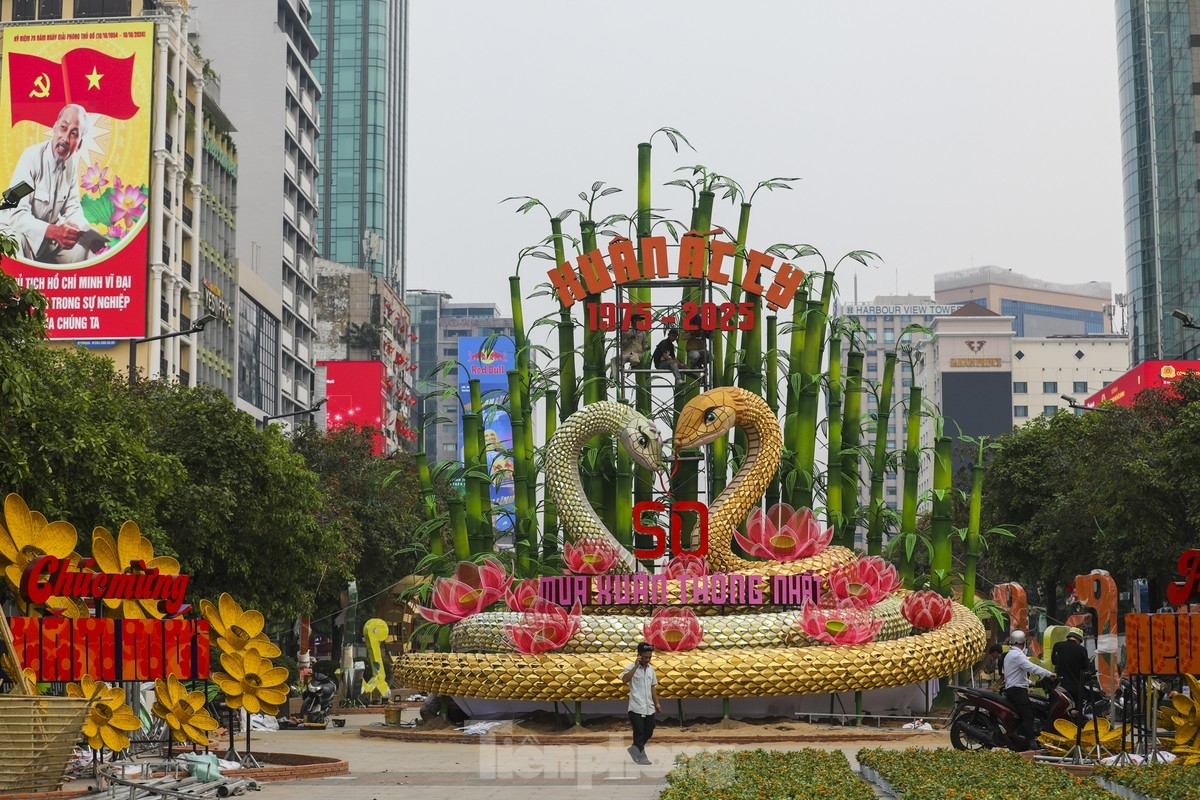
(660, 535)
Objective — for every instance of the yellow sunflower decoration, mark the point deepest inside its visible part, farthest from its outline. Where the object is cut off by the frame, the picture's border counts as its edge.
(183, 711)
(250, 682)
(235, 630)
(1185, 717)
(1088, 733)
(26, 536)
(126, 555)
(110, 719)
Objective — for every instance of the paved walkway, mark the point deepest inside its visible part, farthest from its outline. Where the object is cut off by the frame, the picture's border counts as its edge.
(381, 769)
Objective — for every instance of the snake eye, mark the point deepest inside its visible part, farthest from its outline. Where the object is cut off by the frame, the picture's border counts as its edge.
(643, 440)
(710, 416)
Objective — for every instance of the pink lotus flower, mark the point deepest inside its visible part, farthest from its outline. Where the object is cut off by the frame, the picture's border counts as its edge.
(783, 534)
(926, 609)
(686, 564)
(129, 202)
(864, 582)
(844, 624)
(545, 626)
(589, 556)
(473, 588)
(94, 178)
(522, 595)
(673, 628)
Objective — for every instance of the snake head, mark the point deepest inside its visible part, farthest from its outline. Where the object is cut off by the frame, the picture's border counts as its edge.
(643, 442)
(706, 417)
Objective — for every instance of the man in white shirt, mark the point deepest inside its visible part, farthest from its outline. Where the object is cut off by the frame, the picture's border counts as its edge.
(1017, 669)
(49, 223)
(643, 701)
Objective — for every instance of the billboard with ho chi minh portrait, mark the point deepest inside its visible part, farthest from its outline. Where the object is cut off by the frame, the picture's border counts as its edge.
(75, 118)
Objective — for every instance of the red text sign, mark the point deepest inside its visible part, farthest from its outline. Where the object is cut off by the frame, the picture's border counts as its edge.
(62, 649)
(660, 535)
(1180, 593)
(49, 576)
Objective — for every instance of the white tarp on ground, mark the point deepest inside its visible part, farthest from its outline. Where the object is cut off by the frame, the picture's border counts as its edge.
(904, 701)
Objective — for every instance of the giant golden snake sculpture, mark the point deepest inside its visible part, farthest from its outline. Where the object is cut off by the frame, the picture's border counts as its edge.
(743, 655)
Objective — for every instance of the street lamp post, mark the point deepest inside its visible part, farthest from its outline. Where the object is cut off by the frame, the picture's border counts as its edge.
(1074, 404)
(314, 408)
(1185, 319)
(197, 327)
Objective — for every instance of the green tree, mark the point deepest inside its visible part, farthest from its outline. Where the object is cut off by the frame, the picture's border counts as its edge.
(245, 520)
(379, 518)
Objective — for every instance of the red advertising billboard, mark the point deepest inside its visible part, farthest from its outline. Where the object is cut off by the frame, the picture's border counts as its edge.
(1147, 375)
(75, 147)
(356, 396)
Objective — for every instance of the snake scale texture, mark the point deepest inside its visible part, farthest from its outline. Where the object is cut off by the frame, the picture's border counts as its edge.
(745, 654)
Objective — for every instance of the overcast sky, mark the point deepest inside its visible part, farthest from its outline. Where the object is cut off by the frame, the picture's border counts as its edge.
(941, 135)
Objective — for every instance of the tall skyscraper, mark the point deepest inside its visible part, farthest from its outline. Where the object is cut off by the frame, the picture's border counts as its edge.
(1157, 60)
(362, 67)
(264, 52)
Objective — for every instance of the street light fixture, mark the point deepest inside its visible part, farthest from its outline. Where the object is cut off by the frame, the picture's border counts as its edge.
(314, 408)
(1186, 319)
(1073, 403)
(197, 327)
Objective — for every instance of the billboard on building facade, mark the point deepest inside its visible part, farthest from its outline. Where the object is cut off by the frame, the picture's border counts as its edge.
(355, 396)
(75, 116)
(1147, 375)
(488, 359)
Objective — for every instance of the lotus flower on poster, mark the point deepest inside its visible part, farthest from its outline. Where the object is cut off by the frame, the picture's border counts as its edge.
(783, 534)
(864, 582)
(673, 628)
(473, 588)
(589, 557)
(545, 626)
(845, 624)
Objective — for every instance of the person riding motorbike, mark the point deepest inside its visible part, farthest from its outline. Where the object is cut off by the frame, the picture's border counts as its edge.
(1017, 669)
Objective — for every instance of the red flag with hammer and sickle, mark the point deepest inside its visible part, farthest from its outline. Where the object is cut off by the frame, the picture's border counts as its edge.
(40, 87)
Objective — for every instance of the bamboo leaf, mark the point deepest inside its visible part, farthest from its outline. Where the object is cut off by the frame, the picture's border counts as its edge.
(583, 196)
(610, 190)
(596, 186)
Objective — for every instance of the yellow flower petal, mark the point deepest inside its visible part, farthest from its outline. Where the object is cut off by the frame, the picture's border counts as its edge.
(275, 697)
(235, 666)
(126, 720)
(132, 546)
(19, 522)
(114, 739)
(228, 607)
(250, 703)
(230, 687)
(276, 676)
(252, 622)
(57, 539)
(104, 550)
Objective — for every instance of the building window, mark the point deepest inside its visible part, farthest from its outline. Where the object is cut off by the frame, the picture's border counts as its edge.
(869, 318)
(889, 335)
(872, 366)
(1079, 387)
(24, 10)
(891, 491)
(1049, 411)
(49, 9)
(1049, 387)
(1020, 411)
(887, 318)
(101, 8)
(906, 382)
(1020, 387)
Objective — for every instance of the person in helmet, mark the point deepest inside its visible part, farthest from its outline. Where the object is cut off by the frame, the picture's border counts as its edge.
(1071, 662)
(1017, 669)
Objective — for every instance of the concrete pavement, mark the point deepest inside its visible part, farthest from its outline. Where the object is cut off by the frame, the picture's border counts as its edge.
(381, 769)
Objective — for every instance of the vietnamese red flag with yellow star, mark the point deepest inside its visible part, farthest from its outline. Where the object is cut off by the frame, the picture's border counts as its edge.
(99, 82)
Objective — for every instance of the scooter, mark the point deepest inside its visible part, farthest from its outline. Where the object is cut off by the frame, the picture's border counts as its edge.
(983, 719)
(316, 703)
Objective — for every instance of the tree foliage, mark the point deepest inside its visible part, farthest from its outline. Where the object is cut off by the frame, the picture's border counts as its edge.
(1116, 489)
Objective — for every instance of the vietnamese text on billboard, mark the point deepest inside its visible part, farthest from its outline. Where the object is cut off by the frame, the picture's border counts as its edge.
(75, 129)
(488, 360)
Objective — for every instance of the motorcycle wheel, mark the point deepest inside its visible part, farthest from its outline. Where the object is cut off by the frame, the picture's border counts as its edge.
(962, 739)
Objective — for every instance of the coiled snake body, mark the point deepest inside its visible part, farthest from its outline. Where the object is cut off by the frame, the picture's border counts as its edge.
(760, 660)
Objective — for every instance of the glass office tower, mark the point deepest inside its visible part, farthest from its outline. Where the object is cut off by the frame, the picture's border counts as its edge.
(1157, 41)
(362, 67)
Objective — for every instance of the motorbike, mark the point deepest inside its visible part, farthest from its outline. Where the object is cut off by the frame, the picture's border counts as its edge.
(983, 719)
(316, 701)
